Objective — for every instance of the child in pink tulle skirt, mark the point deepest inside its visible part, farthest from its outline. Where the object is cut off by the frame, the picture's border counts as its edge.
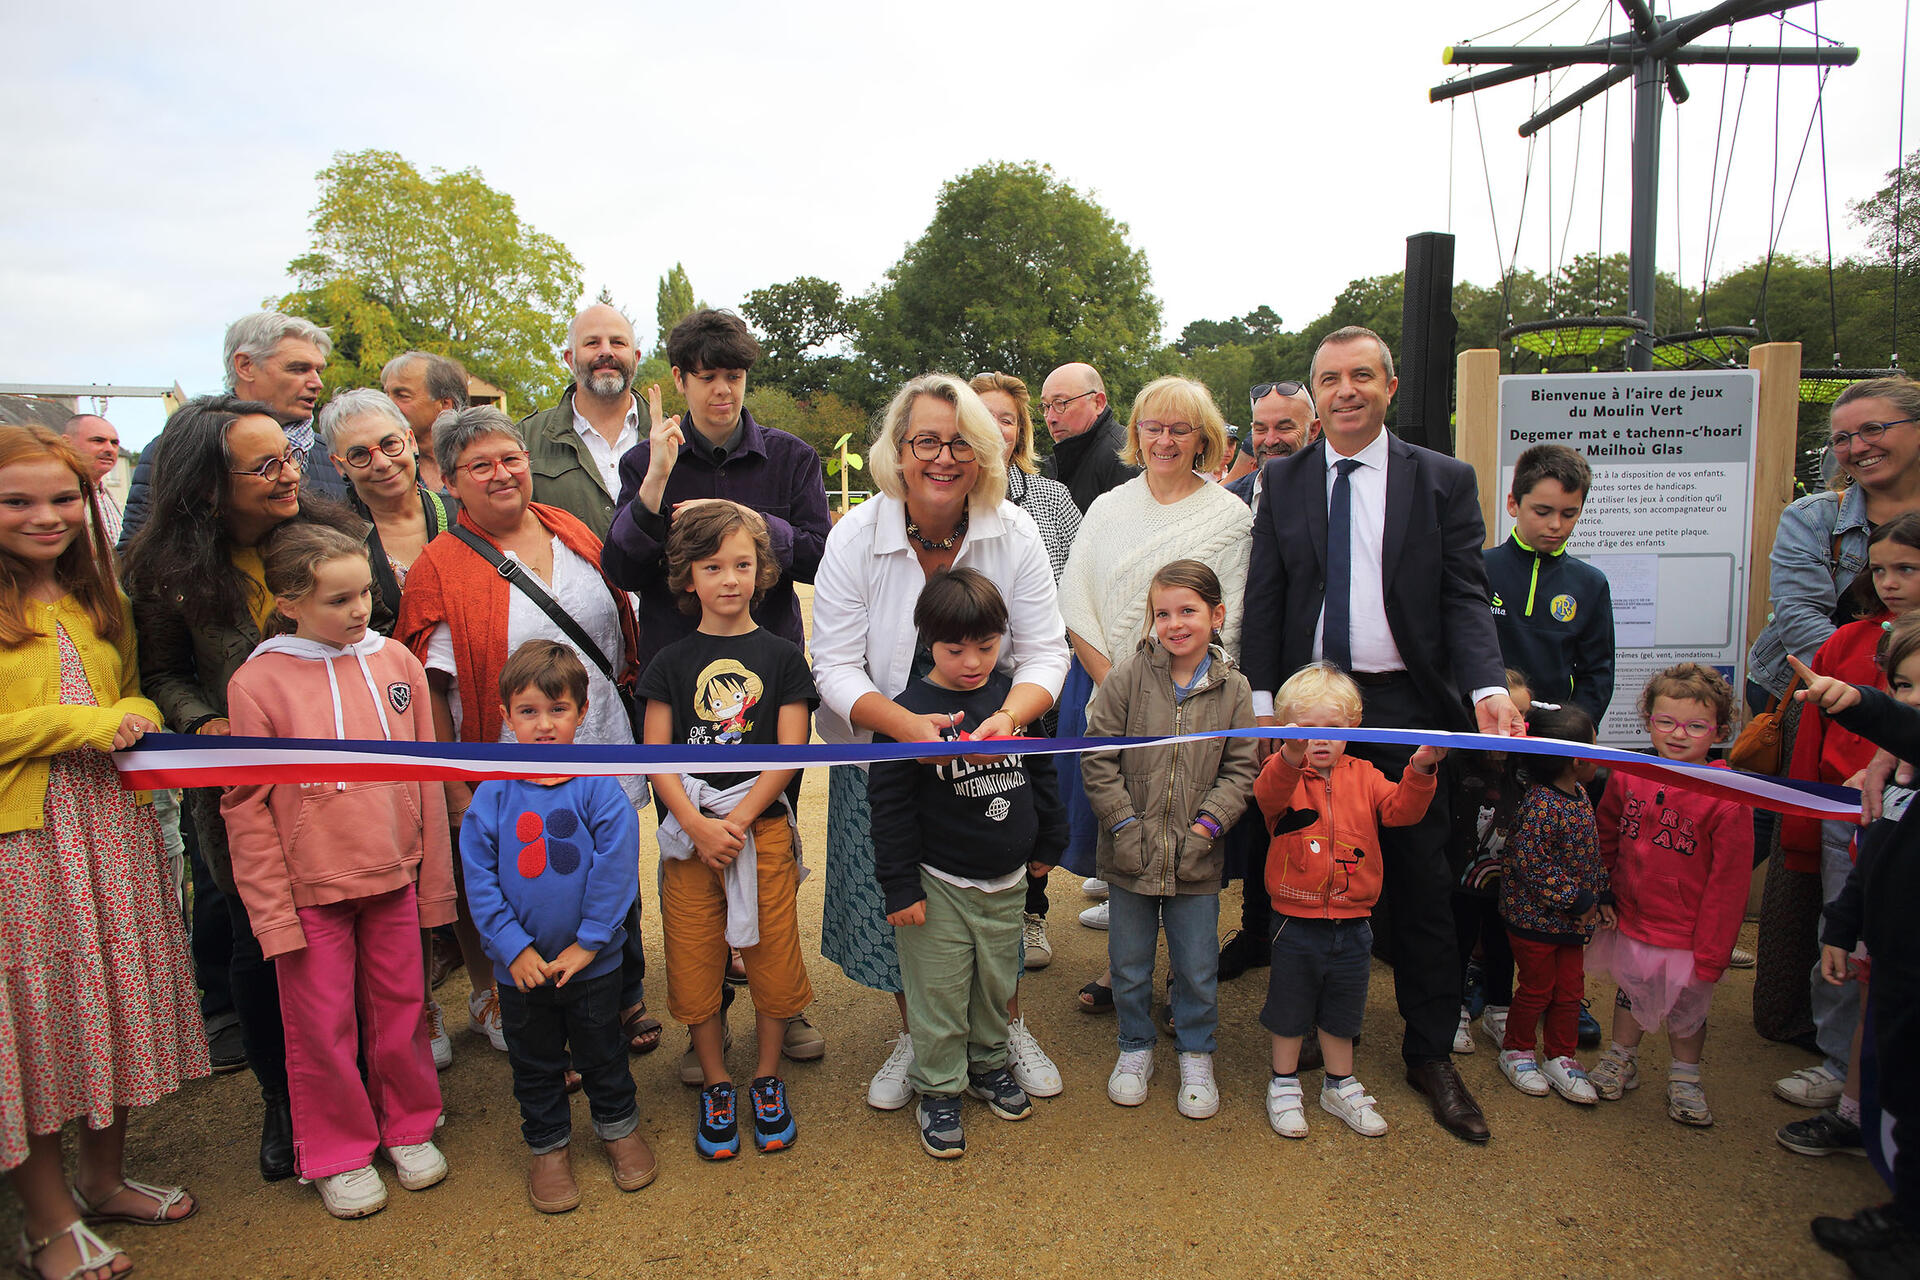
(1680, 862)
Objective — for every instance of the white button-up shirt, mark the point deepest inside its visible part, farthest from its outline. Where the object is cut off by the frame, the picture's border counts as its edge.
(606, 457)
(869, 580)
(1372, 637)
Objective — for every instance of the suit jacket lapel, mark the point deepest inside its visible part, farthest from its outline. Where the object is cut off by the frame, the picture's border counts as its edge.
(1310, 492)
(1402, 465)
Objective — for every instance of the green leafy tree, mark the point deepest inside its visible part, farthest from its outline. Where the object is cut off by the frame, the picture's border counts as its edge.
(1017, 272)
(1877, 214)
(799, 323)
(675, 302)
(438, 261)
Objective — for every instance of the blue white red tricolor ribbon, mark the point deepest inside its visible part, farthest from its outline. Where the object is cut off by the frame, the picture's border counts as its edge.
(178, 760)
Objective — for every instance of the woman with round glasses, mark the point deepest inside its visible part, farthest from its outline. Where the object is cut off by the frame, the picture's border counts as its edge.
(1170, 511)
(224, 478)
(1821, 544)
(940, 466)
(373, 447)
(463, 620)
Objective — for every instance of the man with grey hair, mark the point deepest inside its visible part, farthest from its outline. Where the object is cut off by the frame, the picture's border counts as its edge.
(276, 360)
(98, 444)
(576, 446)
(424, 386)
(1086, 438)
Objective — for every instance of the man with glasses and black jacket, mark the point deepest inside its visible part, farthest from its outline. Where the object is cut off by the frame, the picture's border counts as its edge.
(1087, 439)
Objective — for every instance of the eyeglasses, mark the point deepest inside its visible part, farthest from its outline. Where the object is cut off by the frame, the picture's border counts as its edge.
(1059, 403)
(270, 469)
(1693, 728)
(1261, 390)
(360, 457)
(482, 471)
(1154, 430)
(927, 448)
(1869, 433)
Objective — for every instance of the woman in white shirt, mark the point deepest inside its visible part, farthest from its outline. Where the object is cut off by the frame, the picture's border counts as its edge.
(939, 464)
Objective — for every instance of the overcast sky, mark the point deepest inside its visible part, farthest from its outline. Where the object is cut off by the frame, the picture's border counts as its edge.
(161, 159)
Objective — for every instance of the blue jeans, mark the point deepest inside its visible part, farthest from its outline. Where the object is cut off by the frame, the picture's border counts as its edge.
(1836, 1010)
(549, 1026)
(1192, 922)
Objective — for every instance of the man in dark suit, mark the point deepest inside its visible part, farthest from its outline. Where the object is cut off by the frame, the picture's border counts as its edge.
(1414, 628)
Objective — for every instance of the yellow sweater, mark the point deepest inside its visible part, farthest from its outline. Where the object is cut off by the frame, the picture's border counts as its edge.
(33, 724)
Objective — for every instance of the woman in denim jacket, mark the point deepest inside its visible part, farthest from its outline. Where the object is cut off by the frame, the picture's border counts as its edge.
(1876, 439)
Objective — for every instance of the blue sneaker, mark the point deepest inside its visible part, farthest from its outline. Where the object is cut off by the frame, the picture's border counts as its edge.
(940, 1131)
(773, 1126)
(1002, 1095)
(718, 1135)
(1590, 1032)
(1474, 989)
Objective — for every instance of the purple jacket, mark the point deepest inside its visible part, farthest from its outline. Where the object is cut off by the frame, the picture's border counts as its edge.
(775, 473)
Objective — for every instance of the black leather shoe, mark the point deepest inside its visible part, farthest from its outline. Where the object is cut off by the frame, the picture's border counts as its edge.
(1873, 1228)
(226, 1052)
(1453, 1106)
(276, 1140)
(1240, 952)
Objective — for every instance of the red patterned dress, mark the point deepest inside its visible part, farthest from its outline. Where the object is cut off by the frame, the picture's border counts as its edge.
(97, 1000)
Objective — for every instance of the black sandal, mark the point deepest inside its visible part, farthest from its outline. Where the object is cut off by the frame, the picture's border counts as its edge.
(1095, 998)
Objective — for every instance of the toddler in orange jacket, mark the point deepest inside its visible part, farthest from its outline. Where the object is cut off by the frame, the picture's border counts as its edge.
(1325, 810)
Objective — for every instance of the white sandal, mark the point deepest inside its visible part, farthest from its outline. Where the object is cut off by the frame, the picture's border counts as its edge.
(164, 1198)
(94, 1252)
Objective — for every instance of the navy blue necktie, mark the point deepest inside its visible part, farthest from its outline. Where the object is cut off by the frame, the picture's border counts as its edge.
(1336, 641)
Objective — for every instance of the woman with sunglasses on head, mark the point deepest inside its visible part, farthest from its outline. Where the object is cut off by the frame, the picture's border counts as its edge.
(463, 619)
(224, 479)
(374, 448)
(1169, 512)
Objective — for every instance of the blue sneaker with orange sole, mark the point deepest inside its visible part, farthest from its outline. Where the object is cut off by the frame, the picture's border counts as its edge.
(718, 1134)
(773, 1125)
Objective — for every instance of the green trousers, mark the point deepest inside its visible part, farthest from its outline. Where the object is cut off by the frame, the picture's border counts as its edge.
(959, 969)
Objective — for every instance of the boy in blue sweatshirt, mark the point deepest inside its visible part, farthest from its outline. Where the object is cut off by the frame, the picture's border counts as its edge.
(552, 865)
(1553, 611)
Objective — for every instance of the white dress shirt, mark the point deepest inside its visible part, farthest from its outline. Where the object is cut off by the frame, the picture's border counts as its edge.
(869, 579)
(1372, 636)
(606, 457)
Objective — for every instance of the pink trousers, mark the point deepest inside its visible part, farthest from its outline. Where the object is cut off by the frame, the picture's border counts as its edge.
(356, 990)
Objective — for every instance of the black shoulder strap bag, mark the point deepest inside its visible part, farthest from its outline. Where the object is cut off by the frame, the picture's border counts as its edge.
(528, 585)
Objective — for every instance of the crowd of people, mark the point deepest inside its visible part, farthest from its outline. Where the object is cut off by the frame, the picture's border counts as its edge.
(400, 565)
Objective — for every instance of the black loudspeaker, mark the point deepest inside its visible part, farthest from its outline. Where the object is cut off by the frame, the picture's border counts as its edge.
(1427, 334)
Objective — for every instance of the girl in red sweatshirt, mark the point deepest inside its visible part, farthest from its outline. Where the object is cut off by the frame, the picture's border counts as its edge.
(1679, 863)
(340, 877)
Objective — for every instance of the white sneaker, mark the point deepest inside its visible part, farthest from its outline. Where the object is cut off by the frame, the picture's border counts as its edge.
(1352, 1103)
(1813, 1087)
(1570, 1081)
(437, 1038)
(1463, 1034)
(1493, 1021)
(419, 1165)
(889, 1090)
(1094, 887)
(1128, 1083)
(483, 1016)
(1741, 958)
(1286, 1107)
(1032, 1069)
(1199, 1095)
(1095, 916)
(353, 1194)
(1033, 937)
(1523, 1073)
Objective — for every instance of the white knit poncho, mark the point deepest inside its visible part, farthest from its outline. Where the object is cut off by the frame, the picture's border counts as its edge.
(1127, 536)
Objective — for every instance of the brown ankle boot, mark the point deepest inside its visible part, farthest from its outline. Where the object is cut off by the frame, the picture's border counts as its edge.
(632, 1160)
(550, 1183)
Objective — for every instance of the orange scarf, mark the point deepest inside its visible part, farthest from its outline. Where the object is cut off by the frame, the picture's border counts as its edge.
(452, 585)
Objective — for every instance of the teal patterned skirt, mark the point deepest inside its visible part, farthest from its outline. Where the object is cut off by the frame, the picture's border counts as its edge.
(854, 932)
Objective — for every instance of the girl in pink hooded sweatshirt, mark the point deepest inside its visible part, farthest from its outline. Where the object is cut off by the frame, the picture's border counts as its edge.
(340, 877)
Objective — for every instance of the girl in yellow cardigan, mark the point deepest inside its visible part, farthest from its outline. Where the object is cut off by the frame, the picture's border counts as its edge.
(100, 1013)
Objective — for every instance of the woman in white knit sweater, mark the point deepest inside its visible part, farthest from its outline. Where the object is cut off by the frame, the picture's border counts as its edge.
(1171, 511)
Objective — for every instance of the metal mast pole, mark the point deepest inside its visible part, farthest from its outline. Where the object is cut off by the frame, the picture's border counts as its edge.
(1647, 103)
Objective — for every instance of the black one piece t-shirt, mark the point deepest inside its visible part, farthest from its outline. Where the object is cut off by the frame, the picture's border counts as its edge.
(727, 690)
